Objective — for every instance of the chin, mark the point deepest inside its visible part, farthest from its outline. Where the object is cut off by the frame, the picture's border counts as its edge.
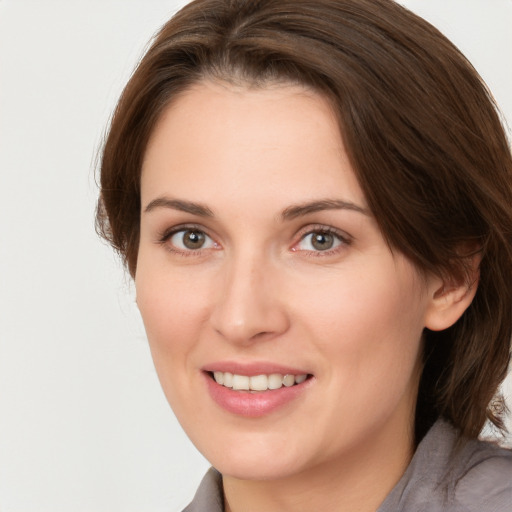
(256, 469)
(251, 457)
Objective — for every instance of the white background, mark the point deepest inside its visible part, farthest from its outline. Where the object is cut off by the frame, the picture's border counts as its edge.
(84, 426)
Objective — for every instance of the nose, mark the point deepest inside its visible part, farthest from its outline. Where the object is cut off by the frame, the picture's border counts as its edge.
(250, 304)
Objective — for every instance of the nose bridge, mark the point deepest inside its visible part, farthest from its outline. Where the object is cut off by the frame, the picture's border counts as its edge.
(248, 305)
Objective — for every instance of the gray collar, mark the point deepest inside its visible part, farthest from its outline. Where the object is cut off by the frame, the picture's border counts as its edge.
(475, 477)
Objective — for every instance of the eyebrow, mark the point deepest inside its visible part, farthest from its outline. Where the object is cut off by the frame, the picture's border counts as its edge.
(178, 204)
(300, 210)
(292, 212)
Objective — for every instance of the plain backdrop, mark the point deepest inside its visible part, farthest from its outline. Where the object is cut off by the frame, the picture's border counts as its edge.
(84, 426)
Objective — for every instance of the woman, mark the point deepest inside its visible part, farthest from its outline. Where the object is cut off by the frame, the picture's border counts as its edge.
(313, 198)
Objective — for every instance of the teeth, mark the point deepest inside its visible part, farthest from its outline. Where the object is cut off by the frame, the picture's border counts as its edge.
(257, 382)
(228, 380)
(275, 381)
(240, 382)
(289, 380)
(300, 378)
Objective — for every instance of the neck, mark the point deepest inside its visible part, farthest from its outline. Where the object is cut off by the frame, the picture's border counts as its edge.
(357, 482)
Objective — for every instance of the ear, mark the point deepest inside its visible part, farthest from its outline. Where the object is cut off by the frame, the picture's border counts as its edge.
(450, 299)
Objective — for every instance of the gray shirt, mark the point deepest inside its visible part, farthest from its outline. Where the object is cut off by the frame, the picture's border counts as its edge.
(475, 478)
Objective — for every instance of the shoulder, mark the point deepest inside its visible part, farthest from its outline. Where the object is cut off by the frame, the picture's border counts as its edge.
(209, 497)
(448, 474)
(484, 478)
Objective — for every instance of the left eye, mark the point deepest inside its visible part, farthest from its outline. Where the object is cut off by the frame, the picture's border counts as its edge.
(319, 241)
(191, 240)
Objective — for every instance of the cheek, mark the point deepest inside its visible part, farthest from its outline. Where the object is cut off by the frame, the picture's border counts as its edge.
(173, 313)
(355, 304)
(173, 310)
(369, 324)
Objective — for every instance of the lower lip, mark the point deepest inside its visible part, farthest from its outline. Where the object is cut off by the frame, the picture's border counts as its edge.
(254, 404)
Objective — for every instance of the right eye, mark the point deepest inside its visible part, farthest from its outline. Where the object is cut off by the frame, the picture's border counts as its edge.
(190, 239)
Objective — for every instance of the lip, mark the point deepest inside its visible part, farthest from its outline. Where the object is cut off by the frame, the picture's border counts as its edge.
(252, 369)
(253, 404)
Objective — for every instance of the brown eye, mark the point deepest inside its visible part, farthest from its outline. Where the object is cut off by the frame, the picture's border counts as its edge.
(191, 240)
(322, 241)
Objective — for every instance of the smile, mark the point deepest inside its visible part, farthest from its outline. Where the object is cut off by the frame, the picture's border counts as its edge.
(255, 390)
(257, 382)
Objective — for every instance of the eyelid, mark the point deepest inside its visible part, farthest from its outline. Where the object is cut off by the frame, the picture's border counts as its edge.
(345, 239)
(324, 228)
(165, 234)
(164, 237)
(310, 229)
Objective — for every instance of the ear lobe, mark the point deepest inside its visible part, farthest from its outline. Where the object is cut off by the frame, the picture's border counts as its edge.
(450, 300)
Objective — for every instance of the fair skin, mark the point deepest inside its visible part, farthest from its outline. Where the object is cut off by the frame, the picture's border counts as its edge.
(235, 274)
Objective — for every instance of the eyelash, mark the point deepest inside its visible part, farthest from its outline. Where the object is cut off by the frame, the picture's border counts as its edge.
(164, 238)
(344, 239)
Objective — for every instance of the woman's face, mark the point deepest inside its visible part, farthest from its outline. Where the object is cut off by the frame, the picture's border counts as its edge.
(260, 259)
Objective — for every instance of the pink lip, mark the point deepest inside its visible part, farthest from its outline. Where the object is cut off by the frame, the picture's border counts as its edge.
(252, 369)
(253, 404)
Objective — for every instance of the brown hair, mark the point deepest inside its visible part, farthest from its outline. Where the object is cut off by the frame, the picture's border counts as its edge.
(422, 133)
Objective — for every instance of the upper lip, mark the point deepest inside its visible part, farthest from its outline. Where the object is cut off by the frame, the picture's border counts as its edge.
(253, 368)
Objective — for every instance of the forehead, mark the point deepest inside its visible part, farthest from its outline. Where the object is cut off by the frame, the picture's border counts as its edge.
(254, 140)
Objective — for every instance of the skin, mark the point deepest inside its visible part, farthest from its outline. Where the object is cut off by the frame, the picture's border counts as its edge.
(258, 290)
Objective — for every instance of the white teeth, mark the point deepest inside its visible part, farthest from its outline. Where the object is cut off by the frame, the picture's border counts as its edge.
(275, 381)
(228, 380)
(300, 378)
(289, 380)
(240, 382)
(257, 382)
